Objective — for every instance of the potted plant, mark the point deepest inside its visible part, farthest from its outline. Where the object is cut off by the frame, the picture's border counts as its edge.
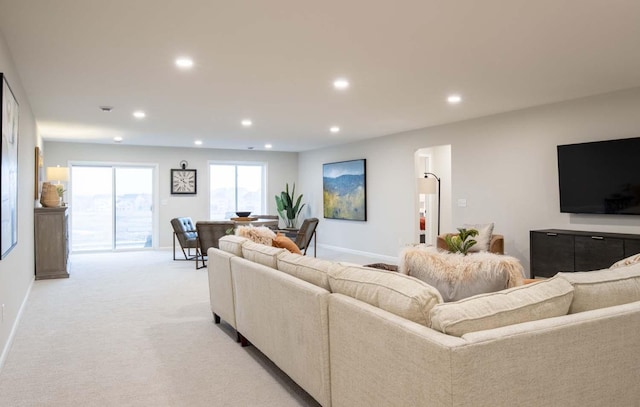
(462, 241)
(287, 210)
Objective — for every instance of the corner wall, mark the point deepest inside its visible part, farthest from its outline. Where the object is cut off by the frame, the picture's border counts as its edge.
(504, 165)
(17, 268)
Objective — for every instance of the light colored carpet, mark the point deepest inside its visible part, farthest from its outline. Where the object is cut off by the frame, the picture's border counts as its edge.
(134, 329)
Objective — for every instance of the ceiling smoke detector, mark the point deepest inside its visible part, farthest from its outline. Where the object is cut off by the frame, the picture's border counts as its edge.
(106, 109)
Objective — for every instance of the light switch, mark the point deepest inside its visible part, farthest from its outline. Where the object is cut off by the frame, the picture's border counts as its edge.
(462, 203)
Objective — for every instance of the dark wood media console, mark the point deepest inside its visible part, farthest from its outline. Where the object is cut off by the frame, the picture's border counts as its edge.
(555, 250)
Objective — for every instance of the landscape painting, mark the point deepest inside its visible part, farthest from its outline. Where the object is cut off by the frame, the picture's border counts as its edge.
(344, 190)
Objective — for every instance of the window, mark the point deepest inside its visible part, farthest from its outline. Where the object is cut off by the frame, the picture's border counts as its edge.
(111, 207)
(236, 187)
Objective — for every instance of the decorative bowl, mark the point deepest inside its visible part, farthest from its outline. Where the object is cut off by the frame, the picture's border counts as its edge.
(243, 214)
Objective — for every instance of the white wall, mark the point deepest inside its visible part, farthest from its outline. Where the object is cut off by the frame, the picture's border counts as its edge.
(17, 268)
(281, 168)
(504, 165)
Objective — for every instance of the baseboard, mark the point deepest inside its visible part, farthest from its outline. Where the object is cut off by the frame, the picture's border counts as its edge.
(14, 328)
(381, 257)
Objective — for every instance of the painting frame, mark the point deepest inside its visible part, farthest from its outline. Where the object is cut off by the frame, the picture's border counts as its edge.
(9, 121)
(344, 190)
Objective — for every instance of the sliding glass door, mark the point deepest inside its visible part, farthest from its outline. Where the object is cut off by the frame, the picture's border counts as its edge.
(111, 207)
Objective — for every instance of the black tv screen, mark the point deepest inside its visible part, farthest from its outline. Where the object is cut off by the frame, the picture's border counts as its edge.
(600, 177)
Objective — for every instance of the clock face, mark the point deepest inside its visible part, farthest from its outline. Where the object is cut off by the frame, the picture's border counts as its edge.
(183, 181)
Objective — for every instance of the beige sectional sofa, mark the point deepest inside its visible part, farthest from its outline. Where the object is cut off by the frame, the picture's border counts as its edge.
(354, 336)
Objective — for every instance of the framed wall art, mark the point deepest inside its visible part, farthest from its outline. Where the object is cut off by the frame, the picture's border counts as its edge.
(8, 169)
(344, 190)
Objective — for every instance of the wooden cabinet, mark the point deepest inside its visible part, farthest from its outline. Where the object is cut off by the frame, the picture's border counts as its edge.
(555, 250)
(51, 243)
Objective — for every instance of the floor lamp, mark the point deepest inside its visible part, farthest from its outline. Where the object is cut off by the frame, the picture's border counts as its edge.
(427, 186)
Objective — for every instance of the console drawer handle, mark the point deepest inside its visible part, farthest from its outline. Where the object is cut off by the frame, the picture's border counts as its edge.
(552, 234)
(597, 237)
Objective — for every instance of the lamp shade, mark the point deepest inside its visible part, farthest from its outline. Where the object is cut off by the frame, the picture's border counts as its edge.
(427, 186)
(57, 174)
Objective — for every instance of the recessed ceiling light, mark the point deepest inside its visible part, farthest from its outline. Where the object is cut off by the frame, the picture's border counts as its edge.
(139, 114)
(268, 146)
(334, 129)
(117, 139)
(247, 123)
(341, 83)
(184, 63)
(198, 142)
(453, 99)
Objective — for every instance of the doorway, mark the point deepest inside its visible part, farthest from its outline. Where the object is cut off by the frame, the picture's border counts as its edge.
(111, 207)
(433, 209)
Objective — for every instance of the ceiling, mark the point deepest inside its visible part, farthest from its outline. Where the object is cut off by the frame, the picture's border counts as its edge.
(274, 62)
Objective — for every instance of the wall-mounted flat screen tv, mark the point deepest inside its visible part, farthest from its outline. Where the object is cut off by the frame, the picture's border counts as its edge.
(600, 177)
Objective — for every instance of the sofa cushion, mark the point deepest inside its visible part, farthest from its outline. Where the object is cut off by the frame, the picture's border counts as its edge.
(483, 239)
(232, 244)
(545, 299)
(604, 288)
(284, 242)
(309, 269)
(627, 261)
(262, 254)
(402, 295)
(457, 276)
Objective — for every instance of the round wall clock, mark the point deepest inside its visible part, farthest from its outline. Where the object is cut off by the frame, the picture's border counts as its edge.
(183, 181)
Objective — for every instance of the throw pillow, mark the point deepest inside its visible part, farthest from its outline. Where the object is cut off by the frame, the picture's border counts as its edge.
(626, 262)
(260, 234)
(457, 276)
(284, 242)
(604, 288)
(483, 239)
(546, 299)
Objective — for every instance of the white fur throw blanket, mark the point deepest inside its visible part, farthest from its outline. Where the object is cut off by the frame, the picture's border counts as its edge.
(457, 276)
(260, 234)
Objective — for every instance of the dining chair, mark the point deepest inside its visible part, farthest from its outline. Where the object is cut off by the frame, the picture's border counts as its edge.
(305, 234)
(185, 232)
(209, 232)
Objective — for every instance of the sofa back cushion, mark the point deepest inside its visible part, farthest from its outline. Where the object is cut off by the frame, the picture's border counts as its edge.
(309, 269)
(545, 299)
(604, 288)
(259, 253)
(232, 244)
(399, 294)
